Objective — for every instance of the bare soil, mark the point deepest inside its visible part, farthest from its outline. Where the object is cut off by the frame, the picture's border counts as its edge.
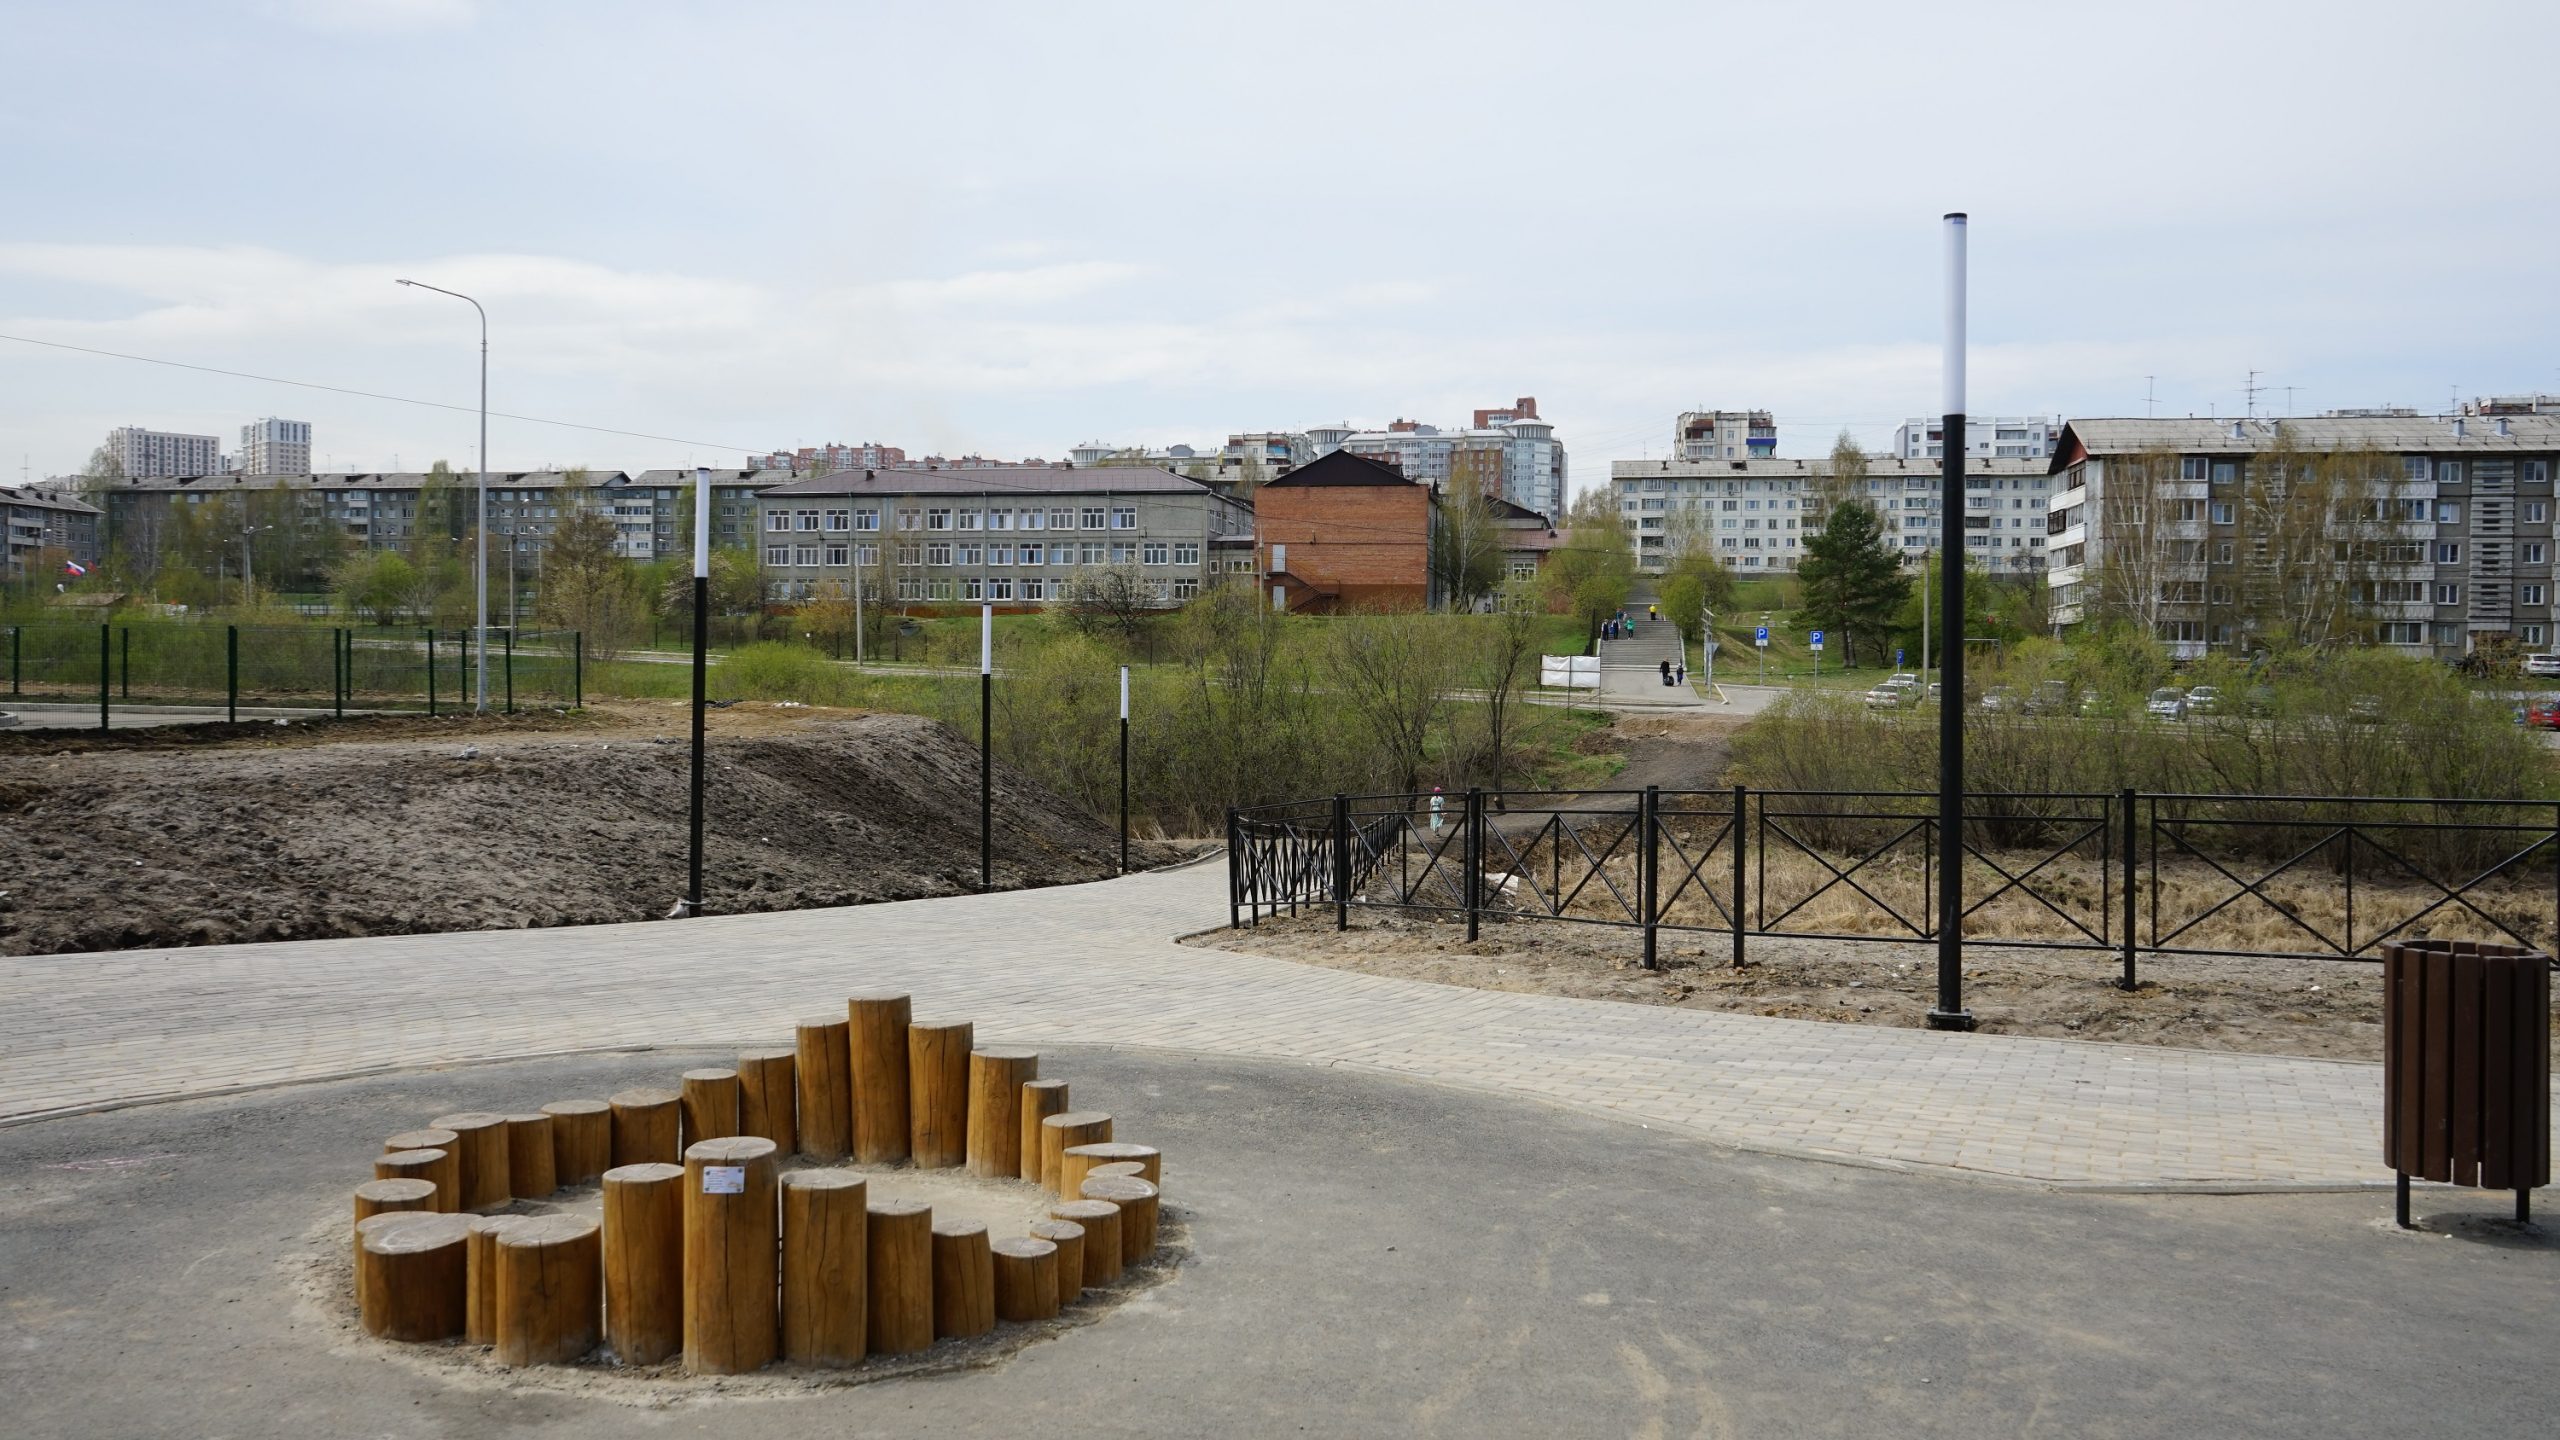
(2325, 1008)
(403, 824)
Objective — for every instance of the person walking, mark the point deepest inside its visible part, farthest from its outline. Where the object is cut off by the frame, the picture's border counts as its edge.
(1681, 671)
(1666, 672)
(1439, 803)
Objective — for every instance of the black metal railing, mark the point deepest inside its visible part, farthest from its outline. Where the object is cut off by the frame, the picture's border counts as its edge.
(2127, 873)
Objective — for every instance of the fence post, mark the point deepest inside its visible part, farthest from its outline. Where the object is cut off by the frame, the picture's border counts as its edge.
(1341, 862)
(578, 670)
(431, 672)
(102, 679)
(1473, 851)
(1235, 873)
(510, 663)
(124, 664)
(1649, 880)
(2125, 798)
(17, 641)
(338, 665)
(1741, 876)
(231, 674)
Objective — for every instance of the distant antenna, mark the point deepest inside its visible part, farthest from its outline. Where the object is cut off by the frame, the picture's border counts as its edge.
(2288, 401)
(2150, 404)
(2249, 393)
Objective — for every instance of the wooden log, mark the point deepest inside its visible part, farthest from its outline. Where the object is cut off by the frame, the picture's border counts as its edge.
(397, 1193)
(1060, 1132)
(426, 1139)
(409, 1278)
(1114, 1152)
(1068, 1236)
(381, 1220)
(1026, 1279)
(581, 1140)
(766, 1106)
(938, 1092)
(437, 1167)
(1040, 1100)
(825, 1259)
(480, 1275)
(448, 1184)
(996, 1077)
(710, 1104)
(645, 1125)
(876, 1038)
(898, 1306)
(644, 1262)
(550, 1289)
(1101, 1222)
(1138, 1209)
(964, 1281)
(730, 1255)
(1134, 1169)
(480, 1139)
(822, 1072)
(530, 1169)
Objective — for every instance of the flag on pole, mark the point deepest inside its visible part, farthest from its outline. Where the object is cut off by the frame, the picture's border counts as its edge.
(74, 567)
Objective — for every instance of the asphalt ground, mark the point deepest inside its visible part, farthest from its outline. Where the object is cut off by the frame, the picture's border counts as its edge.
(1365, 1256)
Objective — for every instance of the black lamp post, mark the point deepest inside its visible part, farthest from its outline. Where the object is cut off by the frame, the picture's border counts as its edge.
(1949, 1013)
(692, 902)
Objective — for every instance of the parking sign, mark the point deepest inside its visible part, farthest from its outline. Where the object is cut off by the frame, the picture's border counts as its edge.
(1817, 639)
(1760, 637)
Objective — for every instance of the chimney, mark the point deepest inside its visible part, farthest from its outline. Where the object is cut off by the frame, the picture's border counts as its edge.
(2503, 431)
(2240, 429)
(2457, 427)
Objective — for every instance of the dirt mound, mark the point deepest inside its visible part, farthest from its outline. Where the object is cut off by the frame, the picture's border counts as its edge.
(106, 849)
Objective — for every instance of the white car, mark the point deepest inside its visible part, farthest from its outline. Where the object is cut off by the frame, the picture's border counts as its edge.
(2167, 703)
(2542, 664)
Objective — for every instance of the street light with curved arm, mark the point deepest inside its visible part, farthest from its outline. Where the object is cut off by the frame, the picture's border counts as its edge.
(480, 525)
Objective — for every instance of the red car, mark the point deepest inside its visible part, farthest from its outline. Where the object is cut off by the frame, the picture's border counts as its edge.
(2542, 715)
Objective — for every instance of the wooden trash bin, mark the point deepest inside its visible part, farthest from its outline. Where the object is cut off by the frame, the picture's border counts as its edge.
(2466, 1066)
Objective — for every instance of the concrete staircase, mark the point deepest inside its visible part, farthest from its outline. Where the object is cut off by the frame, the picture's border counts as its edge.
(1631, 669)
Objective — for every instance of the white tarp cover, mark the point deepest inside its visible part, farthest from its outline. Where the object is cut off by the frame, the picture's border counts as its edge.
(1570, 672)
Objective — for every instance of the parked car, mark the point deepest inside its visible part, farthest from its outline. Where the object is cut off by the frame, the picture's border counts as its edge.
(2204, 700)
(1886, 697)
(1904, 678)
(2542, 714)
(2166, 703)
(2542, 664)
(2000, 697)
(2053, 697)
(2365, 710)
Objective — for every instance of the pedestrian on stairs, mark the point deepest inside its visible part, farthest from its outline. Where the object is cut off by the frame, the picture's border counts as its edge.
(1666, 672)
(1681, 671)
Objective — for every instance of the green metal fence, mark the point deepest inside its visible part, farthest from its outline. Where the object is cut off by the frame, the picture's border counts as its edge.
(332, 669)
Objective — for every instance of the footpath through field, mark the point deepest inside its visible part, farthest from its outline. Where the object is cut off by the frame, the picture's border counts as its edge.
(1096, 964)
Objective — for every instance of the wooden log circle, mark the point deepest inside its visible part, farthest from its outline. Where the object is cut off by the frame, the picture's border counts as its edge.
(426, 1139)
(1068, 1236)
(899, 1302)
(822, 1073)
(409, 1281)
(1061, 1132)
(1040, 1100)
(480, 1275)
(996, 1077)
(877, 1041)
(731, 1324)
(1101, 1222)
(1138, 1209)
(480, 1138)
(550, 1289)
(1026, 1272)
(396, 1193)
(644, 1262)
(381, 1220)
(1117, 1152)
(440, 1168)
(825, 1267)
(531, 1171)
(645, 1127)
(710, 1104)
(581, 1140)
(964, 1281)
(1134, 1169)
(938, 1092)
(766, 1106)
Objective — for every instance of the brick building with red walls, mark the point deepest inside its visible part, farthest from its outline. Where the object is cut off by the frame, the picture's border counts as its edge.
(1343, 533)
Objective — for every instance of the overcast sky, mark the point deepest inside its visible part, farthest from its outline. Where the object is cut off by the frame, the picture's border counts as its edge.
(1012, 228)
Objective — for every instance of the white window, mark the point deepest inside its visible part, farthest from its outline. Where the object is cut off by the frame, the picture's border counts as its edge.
(1094, 517)
(1186, 554)
(938, 553)
(906, 519)
(2415, 509)
(839, 520)
(866, 520)
(773, 519)
(2449, 553)
(910, 554)
(1186, 589)
(804, 555)
(1062, 518)
(910, 589)
(2225, 471)
(2403, 632)
(2448, 472)
(808, 519)
(2532, 594)
(999, 554)
(937, 518)
(1123, 553)
(999, 519)
(1033, 587)
(2448, 512)
(1033, 554)
(777, 554)
(2222, 511)
(2448, 594)
(1124, 517)
(968, 519)
(1092, 553)
(972, 556)
(2537, 511)
(1032, 520)
(866, 555)
(973, 588)
(1154, 552)
(2531, 634)
(839, 554)
(2536, 552)
(2536, 471)
(999, 587)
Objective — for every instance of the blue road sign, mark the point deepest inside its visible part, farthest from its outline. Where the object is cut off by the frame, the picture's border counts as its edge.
(1817, 637)
(1897, 657)
(1760, 636)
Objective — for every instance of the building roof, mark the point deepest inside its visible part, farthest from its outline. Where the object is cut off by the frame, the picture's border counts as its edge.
(1341, 467)
(1510, 513)
(361, 480)
(770, 475)
(34, 498)
(1879, 467)
(1050, 480)
(2412, 434)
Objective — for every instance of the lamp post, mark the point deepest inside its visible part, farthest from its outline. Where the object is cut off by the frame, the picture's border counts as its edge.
(1124, 769)
(692, 902)
(986, 747)
(480, 524)
(1949, 1013)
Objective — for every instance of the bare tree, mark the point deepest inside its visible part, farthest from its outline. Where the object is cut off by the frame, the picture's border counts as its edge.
(1466, 550)
(1116, 599)
(2144, 526)
(1392, 672)
(2311, 526)
(1505, 647)
(587, 586)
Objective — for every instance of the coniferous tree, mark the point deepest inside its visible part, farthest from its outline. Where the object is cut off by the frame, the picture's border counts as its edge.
(1852, 584)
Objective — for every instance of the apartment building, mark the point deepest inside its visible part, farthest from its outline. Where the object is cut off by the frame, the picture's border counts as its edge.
(2432, 533)
(1014, 537)
(275, 447)
(138, 451)
(1986, 437)
(1724, 435)
(825, 459)
(39, 528)
(1347, 532)
(1754, 515)
(1512, 455)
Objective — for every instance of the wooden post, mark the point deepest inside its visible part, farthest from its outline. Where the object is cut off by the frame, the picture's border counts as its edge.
(581, 1140)
(392, 1196)
(426, 1139)
(899, 1303)
(645, 1127)
(550, 1289)
(439, 1168)
(480, 1138)
(1068, 1236)
(729, 1255)
(823, 1074)
(1075, 1127)
(1040, 1100)
(374, 1224)
(710, 1105)
(480, 1271)
(964, 1281)
(996, 1077)
(409, 1278)
(644, 1262)
(765, 1103)
(1150, 1163)
(1134, 1169)
(530, 1171)
(1137, 1201)
(938, 1092)
(877, 1040)
(825, 1257)
(1101, 1222)
(1026, 1273)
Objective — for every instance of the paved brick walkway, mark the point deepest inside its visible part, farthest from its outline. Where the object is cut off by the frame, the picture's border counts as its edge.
(1094, 964)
